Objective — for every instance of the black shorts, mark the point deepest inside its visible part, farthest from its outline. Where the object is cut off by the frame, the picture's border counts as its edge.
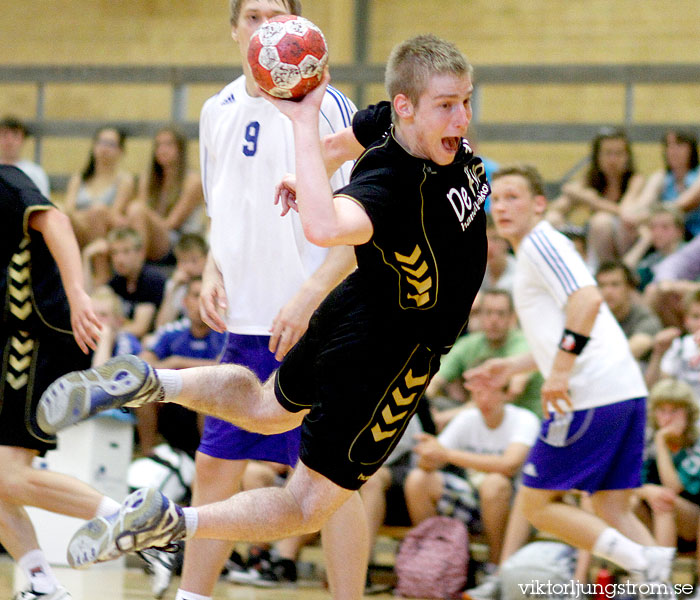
(30, 363)
(361, 380)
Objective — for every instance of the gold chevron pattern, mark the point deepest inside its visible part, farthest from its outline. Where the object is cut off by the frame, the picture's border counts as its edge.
(18, 282)
(19, 360)
(415, 268)
(388, 417)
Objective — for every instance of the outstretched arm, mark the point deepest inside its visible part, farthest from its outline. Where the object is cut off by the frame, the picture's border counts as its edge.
(327, 221)
(58, 234)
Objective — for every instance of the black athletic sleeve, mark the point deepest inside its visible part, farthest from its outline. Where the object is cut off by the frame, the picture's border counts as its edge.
(18, 194)
(376, 199)
(372, 123)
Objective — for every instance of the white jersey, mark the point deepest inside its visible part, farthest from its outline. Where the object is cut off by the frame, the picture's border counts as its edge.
(246, 147)
(468, 431)
(549, 270)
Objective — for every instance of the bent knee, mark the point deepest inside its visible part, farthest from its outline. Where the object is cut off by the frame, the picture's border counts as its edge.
(495, 487)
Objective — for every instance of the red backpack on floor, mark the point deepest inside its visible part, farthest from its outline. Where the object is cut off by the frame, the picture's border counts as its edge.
(433, 559)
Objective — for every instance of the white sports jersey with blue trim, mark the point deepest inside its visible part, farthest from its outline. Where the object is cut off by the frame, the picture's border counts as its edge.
(246, 147)
(549, 270)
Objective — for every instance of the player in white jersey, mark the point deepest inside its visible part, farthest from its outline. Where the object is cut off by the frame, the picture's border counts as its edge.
(262, 281)
(593, 397)
(246, 147)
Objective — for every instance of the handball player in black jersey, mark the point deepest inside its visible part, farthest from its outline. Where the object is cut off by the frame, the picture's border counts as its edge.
(413, 210)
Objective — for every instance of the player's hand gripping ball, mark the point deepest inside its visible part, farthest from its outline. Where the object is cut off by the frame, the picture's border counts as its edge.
(287, 56)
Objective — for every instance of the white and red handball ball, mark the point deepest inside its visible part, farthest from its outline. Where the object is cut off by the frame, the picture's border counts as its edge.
(287, 56)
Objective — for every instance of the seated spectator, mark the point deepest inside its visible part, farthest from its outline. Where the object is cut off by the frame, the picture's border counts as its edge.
(170, 200)
(667, 186)
(500, 262)
(96, 198)
(114, 341)
(660, 237)
(670, 472)
(190, 256)
(618, 286)
(674, 353)
(190, 343)
(139, 286)
(488, 445)
(497, 337)
(610, 184)
(674, 277)
(13, 134)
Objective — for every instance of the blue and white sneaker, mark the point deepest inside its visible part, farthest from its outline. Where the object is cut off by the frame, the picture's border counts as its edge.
(146, 519)
(122, 381)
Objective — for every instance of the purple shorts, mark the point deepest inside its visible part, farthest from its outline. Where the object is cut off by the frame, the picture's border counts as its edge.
(590, 450)
(221, 439)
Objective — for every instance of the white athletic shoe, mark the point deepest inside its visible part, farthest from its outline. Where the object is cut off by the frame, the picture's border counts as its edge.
(654, 580)
(59, 594)
(146, 519)
(161, 567)
(124, 380)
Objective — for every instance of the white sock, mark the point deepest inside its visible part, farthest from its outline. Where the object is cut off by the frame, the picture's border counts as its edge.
(617, 548)
(171, 380)
(38, 573)
(191, 520)
(183, 595)
(107, 507)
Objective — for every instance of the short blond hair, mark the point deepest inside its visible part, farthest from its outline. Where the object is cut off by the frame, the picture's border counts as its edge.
(412, 63)
(107, 294)
(293, 6)
(678, 393)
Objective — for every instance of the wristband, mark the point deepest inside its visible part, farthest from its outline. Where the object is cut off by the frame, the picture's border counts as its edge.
(573, 342)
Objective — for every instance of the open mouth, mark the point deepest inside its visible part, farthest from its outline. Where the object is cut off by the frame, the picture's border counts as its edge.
(451, 144)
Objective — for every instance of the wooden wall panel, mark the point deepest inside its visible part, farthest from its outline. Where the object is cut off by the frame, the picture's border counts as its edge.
(508, 31)
(143, 31)
(18, 99)
(552, 103)
(546, 31)
(108, 101)
(679, 103)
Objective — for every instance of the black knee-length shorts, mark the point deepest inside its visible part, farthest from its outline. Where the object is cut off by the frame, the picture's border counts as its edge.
(361, 381)
(31, 361)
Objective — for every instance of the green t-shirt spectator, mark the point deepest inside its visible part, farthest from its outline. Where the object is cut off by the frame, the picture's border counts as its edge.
(473, 349)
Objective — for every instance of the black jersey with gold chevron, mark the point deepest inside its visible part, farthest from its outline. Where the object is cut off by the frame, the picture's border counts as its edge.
(36, 344)
(375, 342)
(427, 257)
(32, 292)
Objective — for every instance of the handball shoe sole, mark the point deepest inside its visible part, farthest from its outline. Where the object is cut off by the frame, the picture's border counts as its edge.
(122, 381)
(146, 519)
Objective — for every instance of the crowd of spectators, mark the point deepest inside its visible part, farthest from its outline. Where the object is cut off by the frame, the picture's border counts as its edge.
(143, 240)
